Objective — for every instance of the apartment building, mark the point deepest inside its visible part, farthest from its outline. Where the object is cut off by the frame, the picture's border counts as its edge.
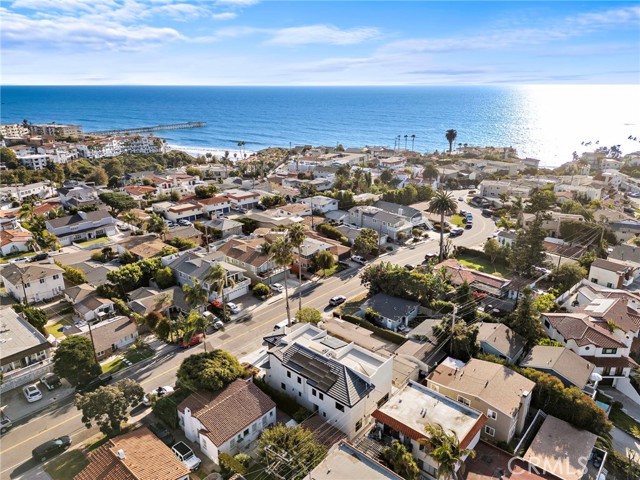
(54, 129)
(114, 146)
(497, 391)
(13, 130)
(341, 382)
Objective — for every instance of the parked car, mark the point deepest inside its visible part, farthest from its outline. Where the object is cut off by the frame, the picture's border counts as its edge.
(186, 456)
(456, 232)
(233, 308)
(358, 259)
(39, 256)
(337, 300)
(160, 431)
(158, 392)
(32, 393)
(50, 381)
(184, 223)
(193, 341)
(95, 383)
(122, 226)
(19, 260)
(5, 422)
(629, 210)
(430, 256)
(218, 324)
(487, 212)
(283, 323)
(277, 287)
(468, 225)
(261, 207)
(409, 266)
(461, 199)
(50, 448)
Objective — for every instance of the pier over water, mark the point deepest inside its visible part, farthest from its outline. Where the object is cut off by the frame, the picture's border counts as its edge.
(156, 128)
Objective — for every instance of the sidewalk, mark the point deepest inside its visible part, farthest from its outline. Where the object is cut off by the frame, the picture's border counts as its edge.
(629, 407)
(17, 408)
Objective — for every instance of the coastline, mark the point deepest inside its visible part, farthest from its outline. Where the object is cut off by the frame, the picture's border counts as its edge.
(215, 151)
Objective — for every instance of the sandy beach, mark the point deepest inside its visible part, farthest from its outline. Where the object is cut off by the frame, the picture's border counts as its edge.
(216, 152)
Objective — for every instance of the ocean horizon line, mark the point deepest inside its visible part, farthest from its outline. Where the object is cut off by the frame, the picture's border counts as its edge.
(371, 85)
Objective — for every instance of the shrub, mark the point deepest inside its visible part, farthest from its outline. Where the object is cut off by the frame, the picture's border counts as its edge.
(230, 465)
(166, 408)
(261, 290)
(441, 306)
(301, 415)
(331, 232)
(243, 458)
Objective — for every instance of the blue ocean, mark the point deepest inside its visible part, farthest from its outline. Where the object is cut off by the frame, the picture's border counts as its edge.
(544, 122)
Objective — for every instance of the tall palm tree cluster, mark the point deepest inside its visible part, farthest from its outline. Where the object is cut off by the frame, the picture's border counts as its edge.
(442, 203)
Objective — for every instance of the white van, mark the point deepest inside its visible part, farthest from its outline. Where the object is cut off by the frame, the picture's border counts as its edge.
(283, 323)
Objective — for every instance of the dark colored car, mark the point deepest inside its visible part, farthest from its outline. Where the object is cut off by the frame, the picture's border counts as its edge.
(160, 431)
(51, 448)
(50, 380)
(39, 256)
(93, 384)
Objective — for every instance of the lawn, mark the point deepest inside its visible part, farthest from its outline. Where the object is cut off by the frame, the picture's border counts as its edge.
(624, 422)
(330, 271)
(67, 465)
(16, 255)
(133, 356)
(457, 220)
(59, 319)
(95, 241)
(483, 265)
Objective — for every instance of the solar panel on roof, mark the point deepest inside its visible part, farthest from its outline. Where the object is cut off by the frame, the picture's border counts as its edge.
(315, 370)
(333, 342)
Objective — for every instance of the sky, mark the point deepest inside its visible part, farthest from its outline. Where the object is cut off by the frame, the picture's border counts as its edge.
(251, 42)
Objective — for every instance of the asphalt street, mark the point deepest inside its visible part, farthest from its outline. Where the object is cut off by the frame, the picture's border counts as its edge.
(242, 339)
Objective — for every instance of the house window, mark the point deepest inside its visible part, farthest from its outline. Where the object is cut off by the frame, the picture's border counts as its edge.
(264, 422)
(320, 396)
(491, 414)
(42, 280)
(606, 351)
(594, 280)
(340, 407)
(489, 431)
(288, 374)
(232, 442)
(246, 432)
(464, 401)
(313, 392)
(546, 323)
(283, 386)
(299, 380)
(383, 400)
(254, 427)
(299, 394)
(358, 425)
(56, 277)
(271, 413)
(324, 414)
(609, 285)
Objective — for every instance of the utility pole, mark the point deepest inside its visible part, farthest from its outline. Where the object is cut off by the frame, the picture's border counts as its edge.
(453, 319)
(93, 345)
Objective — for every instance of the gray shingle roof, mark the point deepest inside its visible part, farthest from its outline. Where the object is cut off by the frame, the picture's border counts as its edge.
(390, 307)
(397, 209)
(77, 218)
(325, 374)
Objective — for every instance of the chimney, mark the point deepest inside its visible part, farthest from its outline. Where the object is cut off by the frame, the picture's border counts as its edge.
(121, 454)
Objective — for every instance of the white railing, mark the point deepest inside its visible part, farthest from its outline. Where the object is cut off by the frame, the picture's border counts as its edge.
(18, 378)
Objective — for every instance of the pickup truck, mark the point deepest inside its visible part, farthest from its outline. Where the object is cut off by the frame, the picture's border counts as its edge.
(5, 422)
(186, 455)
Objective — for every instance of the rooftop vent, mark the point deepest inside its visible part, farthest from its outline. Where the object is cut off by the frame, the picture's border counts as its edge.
(121, 454)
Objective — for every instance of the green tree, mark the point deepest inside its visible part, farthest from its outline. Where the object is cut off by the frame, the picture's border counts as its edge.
(282, 253)
(27, 211)
(206, 191)
(296, 238)
(527, 250)
(118, 202)
(114, 167)
(156, 224)
(430, 172)
(309, 315)
(8, 158)
(75, 360)
(297, 443)
(464, 340)
(366, 243)
(451, 135)
(492, 249)
(401, 461)
(261, 290)
(218, 279)
(567, 275)
(210, 371)
(526, 320)
(442, 204)
(74, 275)
(98, 176)
(323, 260)
(164, 277)
(196, 296)
(466, 302)
(36, 317)
(107, 407)
(386, 176)
(128, 277)
(196, 322)
(541, 200)
(444, 447)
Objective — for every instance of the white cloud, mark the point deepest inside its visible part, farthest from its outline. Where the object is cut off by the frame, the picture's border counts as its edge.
(180, 11)
(240, 3)
(321, 34)
(224, 16)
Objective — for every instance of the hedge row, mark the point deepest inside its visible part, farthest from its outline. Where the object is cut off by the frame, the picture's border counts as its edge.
(380, 332)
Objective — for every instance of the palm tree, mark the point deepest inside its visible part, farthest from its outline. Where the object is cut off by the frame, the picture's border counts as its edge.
(31, 244)
(445, 449)
(282, 253)
(218, 280)
(132, 219)
(406, 137)
(413, 141)
(429, 172)
(296, 238)
(27, 210)
(56, 213)
(196, 296)
(451, 137)
(442, 203)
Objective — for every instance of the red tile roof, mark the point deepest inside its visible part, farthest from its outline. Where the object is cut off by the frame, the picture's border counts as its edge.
(11, 236)
(459, 274)
(138, 189)
(578, 327)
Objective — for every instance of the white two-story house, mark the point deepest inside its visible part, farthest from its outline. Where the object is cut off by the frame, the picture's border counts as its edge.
(82, 226)
(385, 223)
(341, 382)
(251, 256)
(322, 204)
(34, 281)
(227, 421)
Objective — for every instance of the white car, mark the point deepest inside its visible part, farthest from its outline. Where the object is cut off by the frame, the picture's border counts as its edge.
(233, 307)
(158, 392)
(359, 259)
(277, 287)
(32, 393)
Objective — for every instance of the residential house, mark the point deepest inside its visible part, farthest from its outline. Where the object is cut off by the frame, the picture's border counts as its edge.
(95, 272)
(385, 223)
(482, 282)
(320, 203)
(562, 363)
(169, 302)
(54, 129)
(495, 188)
(77, 293)
(503, 395)
(227, 421)
(250, 256)
(138, 192)
(87, 305)
(625, 230)
(183, 211)
(613, 273)
(142, 246)
(344, 461)
(395, 162)
(74, 194)
(108, 336)
(242, 199)
(292, 210)
(34, 282)
(18, 193)
(551, 221)
(338, 249)
(626, 253)
(411, 410)
(23, 348)
(562, 450)
(586, 191)
(392, 312)
(136, 455)
(506, 238)
(226, 226)
(15, 241)
(309, 248)
(189, 267)
(319, 184)
(216, 206)
(499, 340)
(410, 214)
(341, 382)
(82, 226)
(9, 219)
